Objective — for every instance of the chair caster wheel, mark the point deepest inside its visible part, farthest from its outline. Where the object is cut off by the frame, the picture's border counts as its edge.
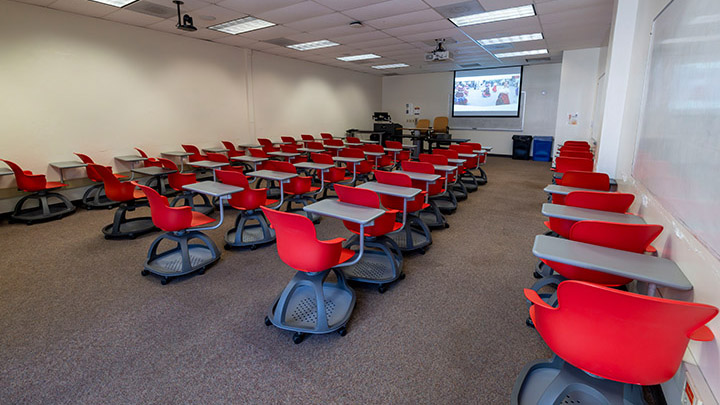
(253, 247)
(382, 289)
(132, 236)
(342, 331)
(298, 337)
(402, 276)
(267, 321)
(164, 280)
(201, 271)
(447, 225)
(107, 237)
(536, 274)
(529, 323)
(423, 250)
(144, 273)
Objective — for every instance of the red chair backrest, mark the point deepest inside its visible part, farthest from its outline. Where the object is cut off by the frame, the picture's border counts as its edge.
(229, 145)
(288, 139)
(619, 335)
(217, 157)
(449, 153)
(427, 168)
(91, 172)
(473, 147)
(249, 198)
(352, 152)
(576, 154)
(373, 147)
(352, 139)
(629, 237)
(289, 148)
(191, 149)
(264, 142)
(26, 181)
(333, 142)
(297, 242)
(438, 159)
(564, 164)
(367, 198)
(258, 153)
(315, 145)
(281, 166)
(402, 180)
(305, 137)
(141, 152)
(325, 135)
(589, 180)
(393, 144)
(595, 200)
(114, 188)
(177, 180)
(164, 216)
(322, 158)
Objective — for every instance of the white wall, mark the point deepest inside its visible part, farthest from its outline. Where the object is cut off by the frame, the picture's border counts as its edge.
(77, 84)
(432, 92)
(578, 83)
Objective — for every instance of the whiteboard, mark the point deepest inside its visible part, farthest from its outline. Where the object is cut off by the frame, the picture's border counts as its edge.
(678, 149)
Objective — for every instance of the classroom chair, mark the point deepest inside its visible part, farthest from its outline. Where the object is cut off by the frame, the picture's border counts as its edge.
(325, 135)
(290, 139)
(565, 164)
(456, 187)
(460, 186)
(382, 258)
(178, 224)
(423, 126)
(333, 176)
(481, 160)
(440, 125)
(127, 196)
(467, 177)
(446, 202)
(582, 179)
(196, 155)
(415, 236)
(299, 189)
(576, 154)
(363, 169)
(222, 158)
(293, 149)
(333, 142)
(273, 189)
(307, 138)
(431, 216)
(383, 162)
(352, 139)
(398, 157)
(94, 196)
(628, 237)
(607, 344)
(267, 145)
(251, 227)
(233, 151)
(177, 180)
(310, 304)
(151, 161)
(41, 191)
(594, 200)
(577, 144)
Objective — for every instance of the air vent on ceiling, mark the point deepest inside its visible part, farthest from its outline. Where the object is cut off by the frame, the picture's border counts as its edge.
(156, 10)
(537, 60)
(281, 41)
(460, 9)
(499, 46)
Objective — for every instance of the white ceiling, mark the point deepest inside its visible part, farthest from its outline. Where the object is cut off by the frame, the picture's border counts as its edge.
(401, 31)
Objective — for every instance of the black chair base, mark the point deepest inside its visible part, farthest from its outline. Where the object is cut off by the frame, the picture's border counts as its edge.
(124, 228)
(251, 230)
(94, 197)
(310, 305)
(555, 381)
(188, 198)
(459, 190)
(482, 178)
(45, 209)
(380, 264)
(469, 180)
(433, 217)
(182, 259)
(446, 202)
(414, 237)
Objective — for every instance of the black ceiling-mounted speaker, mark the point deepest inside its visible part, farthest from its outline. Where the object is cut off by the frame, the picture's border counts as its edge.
(186, 22)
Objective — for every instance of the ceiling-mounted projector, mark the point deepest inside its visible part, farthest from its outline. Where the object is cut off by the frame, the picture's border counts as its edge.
(186, 24)
(440, 53)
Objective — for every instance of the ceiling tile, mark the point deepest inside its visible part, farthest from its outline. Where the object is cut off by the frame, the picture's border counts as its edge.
(84, 7)
(299, 11)
(556, 6)
(588, 15)
(212, 15)
(254, 7)
(440, 3)
(43, 3)
(188, 5)
(491, 5)
(377, 43)
(132, 18)
(504, 28)
(236, 40)
(385, 9)
(414, 17)
(420, 28)
(320, 22)
(341, 5)
(367, 36)
(264, 34)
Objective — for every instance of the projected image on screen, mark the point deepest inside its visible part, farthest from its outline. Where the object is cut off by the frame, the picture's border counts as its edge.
(487, 92)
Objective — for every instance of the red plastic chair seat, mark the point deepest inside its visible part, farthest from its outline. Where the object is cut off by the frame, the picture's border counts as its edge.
(54, 184)
(199, 219)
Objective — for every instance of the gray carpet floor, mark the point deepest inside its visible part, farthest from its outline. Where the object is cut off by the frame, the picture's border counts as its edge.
(79, 324)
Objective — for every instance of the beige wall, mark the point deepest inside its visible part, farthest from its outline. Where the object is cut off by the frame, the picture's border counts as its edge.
(78, 84)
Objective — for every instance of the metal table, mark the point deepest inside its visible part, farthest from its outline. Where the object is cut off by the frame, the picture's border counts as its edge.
(446, 169)
(5, 172)
(321, 167)
(406, 193)
(426, 177)
(289, 155)
(216, 150)
(585, 214)
(656, 271)
(155, 172)
(250, 159)
(280, 177)
(249, 146)
(369, 141)
(375, 155)
(214, 189)
(308, 150)
(178, 154)
(349, 160)
(354, 143)
(131, 160)
(207, 164)
(60, 166)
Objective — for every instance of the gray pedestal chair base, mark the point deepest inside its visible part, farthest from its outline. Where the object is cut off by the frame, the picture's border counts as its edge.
(433, 217)
(187, 198)
(45, 210)
(94, 197)
(310, 305)
(182, 259)
(481, 179)
(460, 191)
(251, 230)
(469, 180)
(414, 237)
(124, 228)
(381, 262)
(446, 202)
(558, 382)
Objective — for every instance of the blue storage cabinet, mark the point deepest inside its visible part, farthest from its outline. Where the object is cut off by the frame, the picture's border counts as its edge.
(542, 148)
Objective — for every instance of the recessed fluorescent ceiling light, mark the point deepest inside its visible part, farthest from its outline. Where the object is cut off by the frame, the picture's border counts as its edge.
(522, 53)
(507, 40)
(358, 57)
(497, 15)
(241, 25)
(393, 66)
(313, 45)
(115, 3)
